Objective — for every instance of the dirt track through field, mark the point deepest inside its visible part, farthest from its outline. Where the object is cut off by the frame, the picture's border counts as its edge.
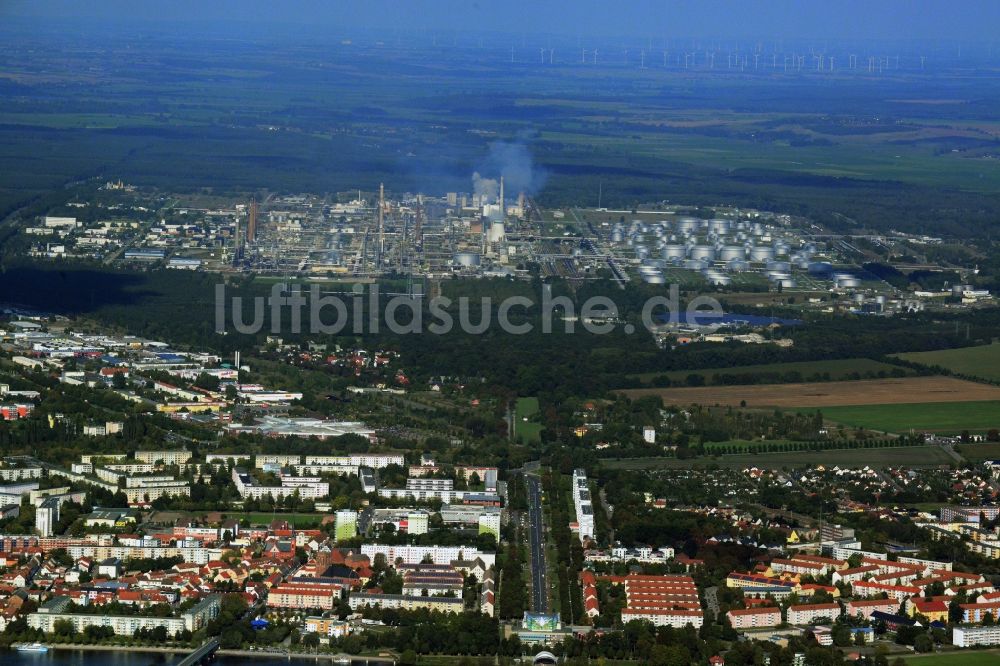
(829, 394)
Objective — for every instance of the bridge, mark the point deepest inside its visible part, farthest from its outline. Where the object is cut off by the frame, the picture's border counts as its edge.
(207, 649)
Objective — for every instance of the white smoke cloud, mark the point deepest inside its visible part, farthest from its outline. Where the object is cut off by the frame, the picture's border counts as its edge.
(485, 187)
(513, 161)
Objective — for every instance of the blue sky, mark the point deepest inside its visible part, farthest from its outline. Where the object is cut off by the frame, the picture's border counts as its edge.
(974, 20)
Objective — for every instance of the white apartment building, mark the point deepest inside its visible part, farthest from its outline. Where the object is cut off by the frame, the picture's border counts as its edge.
(376, 460)
(153, 491)
(490, 523)
(416, 554)
(168, 457)
(964, 636)
(306, 487)
(46, 517)
(278, 459)
(664, 618)
(406, 602)
(126, 625)
(582, 503)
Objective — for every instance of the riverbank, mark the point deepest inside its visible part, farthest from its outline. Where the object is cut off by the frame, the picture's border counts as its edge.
(259, 654)
(119, 648)
(325, 656)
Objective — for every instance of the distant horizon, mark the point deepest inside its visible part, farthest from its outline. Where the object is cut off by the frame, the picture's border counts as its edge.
(972, 21)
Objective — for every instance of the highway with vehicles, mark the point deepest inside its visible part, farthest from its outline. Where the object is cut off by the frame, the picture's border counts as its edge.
(536, 530)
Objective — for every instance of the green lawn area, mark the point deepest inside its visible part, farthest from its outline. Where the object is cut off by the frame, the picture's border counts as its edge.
(982, 361)
(526, 408)
(298, 520)
(911, 456)
(838, 369)
(940, 417)
(977, 658)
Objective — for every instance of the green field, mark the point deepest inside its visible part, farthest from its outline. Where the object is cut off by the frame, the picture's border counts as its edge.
(939, 417)
(526, 408)
(979, 452)
(298, 520)
(839, 369)
(978, 658)
(911, 456)
(982, 361)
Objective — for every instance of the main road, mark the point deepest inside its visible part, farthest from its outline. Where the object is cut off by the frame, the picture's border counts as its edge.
(536, 530)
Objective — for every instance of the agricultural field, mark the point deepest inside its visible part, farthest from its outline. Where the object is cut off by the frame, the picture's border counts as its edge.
(947, 418)
(982, 361)
(977, 453)
(911, 456)
(829, 394)
(526, 408)
(838, 369)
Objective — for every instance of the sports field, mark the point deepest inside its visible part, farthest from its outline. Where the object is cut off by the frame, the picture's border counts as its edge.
(939, 417)
(910, 456)
(977, 658)
(298, 520)
(526, 408)
(829, 394)
(982, 361)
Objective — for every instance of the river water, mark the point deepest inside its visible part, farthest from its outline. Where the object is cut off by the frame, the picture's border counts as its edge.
(114, 658)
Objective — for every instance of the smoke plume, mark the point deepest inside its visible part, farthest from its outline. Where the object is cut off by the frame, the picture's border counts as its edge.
(513, 161)
(485, 187)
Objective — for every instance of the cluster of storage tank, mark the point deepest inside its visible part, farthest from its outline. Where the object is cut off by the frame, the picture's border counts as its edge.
(699, 245)
(824, 269)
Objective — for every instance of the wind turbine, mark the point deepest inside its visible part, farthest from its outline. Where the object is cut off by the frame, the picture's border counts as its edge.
(542, 51)
(642, 59)
(595, 56)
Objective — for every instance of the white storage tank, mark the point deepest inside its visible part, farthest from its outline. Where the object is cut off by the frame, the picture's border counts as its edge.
(846, 280)
(703, 252)
(761, 253)
(730, 252)
(719, 226)
(688, 224)
(674, 251)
